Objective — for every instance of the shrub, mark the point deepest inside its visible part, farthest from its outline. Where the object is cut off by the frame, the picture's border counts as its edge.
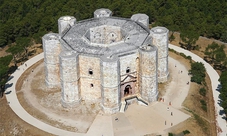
(204, 105)
(186, 132)
(202, 91)
(170, 134)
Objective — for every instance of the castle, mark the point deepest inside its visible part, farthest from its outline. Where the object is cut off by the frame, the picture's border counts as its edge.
(106, 59)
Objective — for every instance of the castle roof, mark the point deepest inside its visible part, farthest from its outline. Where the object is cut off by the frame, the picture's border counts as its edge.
(106, 35)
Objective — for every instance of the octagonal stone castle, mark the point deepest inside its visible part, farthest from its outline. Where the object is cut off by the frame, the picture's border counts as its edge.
(106, 59)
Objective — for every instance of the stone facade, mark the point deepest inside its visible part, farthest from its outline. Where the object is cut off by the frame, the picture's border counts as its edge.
(106, 59)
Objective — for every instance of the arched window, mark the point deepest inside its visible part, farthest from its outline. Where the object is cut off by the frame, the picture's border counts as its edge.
(92, 85)
(127, 70)
(90, 72)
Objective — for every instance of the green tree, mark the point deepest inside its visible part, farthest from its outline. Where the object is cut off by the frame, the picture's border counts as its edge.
(198, 72)
(189, 38)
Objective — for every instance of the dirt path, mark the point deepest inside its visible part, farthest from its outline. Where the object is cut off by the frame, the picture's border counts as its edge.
(176, 91)
(80, 122)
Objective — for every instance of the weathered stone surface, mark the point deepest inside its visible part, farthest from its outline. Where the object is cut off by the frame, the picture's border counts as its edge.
(65, 22)
(148, 73)
(90, 89)
(110, 81)
(142, 18)
(160, 39)
(89, 66)
(69, 78)
(102, 13)
(52, 77)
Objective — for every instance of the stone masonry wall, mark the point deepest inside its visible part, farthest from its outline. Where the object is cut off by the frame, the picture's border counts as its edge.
(64, 22)
(110, 83)
(148, 73)
(142, 18)
(52, 49)
(89, 69)
(69, 78)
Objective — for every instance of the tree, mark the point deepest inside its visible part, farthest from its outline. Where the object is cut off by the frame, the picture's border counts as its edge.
(189, 38)
(217, 54)
(198, 72)
(223, 90)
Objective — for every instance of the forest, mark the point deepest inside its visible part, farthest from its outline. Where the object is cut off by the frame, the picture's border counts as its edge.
(34, 18)
(24, 22)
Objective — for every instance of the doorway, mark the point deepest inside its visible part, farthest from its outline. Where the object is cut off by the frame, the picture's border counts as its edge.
(128, 90)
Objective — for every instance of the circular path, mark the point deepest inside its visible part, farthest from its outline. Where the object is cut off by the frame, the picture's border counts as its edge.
(103, 121)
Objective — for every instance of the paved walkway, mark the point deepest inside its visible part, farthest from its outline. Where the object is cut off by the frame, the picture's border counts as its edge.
(18, 109)
(214, 82)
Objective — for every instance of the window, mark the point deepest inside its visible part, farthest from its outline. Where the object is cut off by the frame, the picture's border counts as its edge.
(90, 72)
(92, 85)
(127, 70)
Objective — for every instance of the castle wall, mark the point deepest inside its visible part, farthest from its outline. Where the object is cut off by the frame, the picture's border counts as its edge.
(105, 35)
(148, 73)
(128, 60)
(110, 83)
(89, 69)
(90, 89)
(69, 78)
(129, 63)
(52, 49)
(160, 40)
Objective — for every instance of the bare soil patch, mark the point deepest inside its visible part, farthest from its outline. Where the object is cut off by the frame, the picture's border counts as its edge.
(12, 125)
(44, 104)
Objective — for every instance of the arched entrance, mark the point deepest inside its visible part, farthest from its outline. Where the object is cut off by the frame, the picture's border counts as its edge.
(128, 86)
(128, 90)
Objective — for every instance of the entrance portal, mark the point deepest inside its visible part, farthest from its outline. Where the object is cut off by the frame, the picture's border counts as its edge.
(128, 90)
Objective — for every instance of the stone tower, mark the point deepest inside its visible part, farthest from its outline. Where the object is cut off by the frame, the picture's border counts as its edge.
(52, 49)
(69, 78)
(148, 81)
(160, 40)
(110, 83)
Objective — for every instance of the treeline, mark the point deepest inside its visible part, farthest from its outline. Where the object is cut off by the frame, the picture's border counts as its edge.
(34, 18)
(223, 91)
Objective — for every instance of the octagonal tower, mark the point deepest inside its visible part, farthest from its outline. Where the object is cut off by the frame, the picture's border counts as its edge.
(102, 13)
(148, 82)
(52, 49)
(142, 18)
(110, 83)
(160, 40)
(69, 78)
(65, 22)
